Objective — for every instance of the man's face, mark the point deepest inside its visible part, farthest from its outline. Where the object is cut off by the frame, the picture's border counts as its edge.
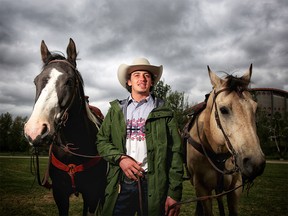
(140, 81)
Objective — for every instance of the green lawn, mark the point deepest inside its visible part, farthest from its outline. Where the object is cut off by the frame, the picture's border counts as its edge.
(21, 195)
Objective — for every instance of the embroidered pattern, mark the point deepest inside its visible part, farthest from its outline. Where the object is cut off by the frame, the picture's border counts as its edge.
(136, 129)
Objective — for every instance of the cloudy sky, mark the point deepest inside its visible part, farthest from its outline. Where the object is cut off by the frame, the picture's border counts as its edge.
(184, 36)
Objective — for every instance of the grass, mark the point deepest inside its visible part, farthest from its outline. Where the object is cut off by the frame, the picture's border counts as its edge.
(21, 195)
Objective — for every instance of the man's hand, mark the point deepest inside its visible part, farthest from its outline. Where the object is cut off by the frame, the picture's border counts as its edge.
(130, 167)
(173, 211)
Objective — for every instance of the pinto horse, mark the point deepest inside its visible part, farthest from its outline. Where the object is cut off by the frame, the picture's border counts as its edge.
(223, 149)
(61, 116)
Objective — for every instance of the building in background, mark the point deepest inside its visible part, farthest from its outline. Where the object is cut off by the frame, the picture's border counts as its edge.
(271, 100)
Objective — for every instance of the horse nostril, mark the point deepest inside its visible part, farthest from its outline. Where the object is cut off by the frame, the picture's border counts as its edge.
(247, 164)
(45, 131)
(253, 167)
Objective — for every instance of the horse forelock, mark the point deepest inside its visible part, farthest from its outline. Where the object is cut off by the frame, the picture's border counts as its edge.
(54, 56)
(57, 56)
(236, 84)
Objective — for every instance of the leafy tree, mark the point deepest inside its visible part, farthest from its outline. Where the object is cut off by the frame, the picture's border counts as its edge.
(278, 133)
(273, 133)
(161, 90)
(179, 104)
(18, 141)
(11, 133)
(6, 122)
(175, 99)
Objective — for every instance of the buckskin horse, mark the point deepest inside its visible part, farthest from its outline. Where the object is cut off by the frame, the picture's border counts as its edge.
(61, 117)
(223, 149)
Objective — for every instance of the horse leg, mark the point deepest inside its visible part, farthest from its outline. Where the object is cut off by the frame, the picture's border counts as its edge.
(62, 201)
(89, 204)
(221, 206)
(92, 187)
(232, 201)
(92, 200)
(233, 197)
(199, 209)
(220, 201)
(204, 207)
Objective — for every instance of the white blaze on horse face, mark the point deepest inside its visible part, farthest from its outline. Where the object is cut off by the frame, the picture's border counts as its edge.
(44, 109)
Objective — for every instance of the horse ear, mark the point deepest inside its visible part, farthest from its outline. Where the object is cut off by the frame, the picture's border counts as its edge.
(45, 54)
(247, 75)
(215, 80)
(71, 52)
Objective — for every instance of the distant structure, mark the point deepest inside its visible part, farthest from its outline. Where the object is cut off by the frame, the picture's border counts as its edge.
(271, 100)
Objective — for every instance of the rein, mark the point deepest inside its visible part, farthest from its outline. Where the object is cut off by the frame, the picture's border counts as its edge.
(210, 197)
(45, 180)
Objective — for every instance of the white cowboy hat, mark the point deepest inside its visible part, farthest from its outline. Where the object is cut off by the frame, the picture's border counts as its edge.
(139, 64)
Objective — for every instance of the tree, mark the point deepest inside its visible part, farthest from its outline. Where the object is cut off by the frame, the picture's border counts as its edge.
(175, 99)
(272, 131)
(278, 132)
(18, 141)
(5, 125)
(161, 90)
(11, 133)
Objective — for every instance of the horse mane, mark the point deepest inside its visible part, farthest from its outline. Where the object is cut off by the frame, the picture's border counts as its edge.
(92, 117)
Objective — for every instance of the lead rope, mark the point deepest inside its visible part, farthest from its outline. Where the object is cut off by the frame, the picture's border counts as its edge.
(45, 181)
(140, 195)
(66, 148)
(203, 198)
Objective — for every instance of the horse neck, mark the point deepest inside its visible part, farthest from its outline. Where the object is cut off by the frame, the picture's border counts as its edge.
(204, 132)
(199, 129)
(79, 131)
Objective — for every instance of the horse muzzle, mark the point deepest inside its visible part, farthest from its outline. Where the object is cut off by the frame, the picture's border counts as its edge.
(38, 136)
(251, 167)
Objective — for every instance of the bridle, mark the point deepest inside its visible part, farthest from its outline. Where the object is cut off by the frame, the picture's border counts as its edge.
(59, 124)
(217, 118)
(227, 143)
(64, 114)
(228, 146)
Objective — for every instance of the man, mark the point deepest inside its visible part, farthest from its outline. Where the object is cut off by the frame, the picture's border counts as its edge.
(140, 140)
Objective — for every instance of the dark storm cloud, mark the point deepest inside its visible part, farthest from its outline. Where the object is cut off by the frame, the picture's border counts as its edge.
(183, 36)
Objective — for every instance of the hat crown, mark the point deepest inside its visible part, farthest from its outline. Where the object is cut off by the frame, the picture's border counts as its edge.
(140, 61)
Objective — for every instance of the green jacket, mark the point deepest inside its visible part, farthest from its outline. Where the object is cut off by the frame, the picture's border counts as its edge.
(164, 155)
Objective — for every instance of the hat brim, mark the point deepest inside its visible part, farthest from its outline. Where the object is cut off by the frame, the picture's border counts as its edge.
(125, 70)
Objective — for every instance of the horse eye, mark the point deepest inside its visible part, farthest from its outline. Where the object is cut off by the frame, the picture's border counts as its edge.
(69, 82)
(224, 110)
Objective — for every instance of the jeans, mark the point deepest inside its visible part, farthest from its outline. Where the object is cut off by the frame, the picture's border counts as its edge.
(128, 199)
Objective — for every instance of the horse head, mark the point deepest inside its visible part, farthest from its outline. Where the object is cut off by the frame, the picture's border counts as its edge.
(232, 124)
(59, 88)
